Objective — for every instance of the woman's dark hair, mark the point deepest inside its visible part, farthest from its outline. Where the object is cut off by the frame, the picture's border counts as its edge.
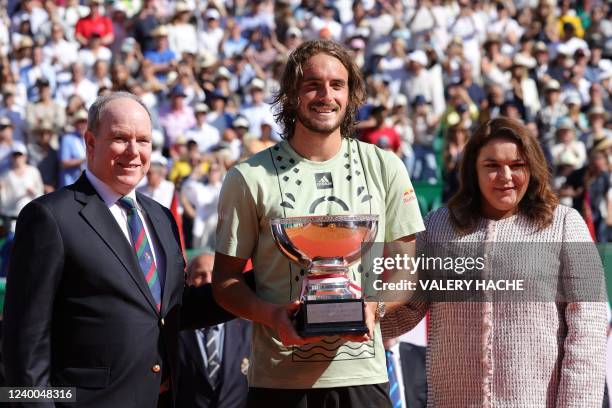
(539, 202)
(286, 99)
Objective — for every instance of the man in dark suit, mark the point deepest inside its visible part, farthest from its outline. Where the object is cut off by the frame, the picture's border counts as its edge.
(203, 384)
(96, 289)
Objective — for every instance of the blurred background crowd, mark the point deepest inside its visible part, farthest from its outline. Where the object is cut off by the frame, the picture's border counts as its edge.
(435, 69)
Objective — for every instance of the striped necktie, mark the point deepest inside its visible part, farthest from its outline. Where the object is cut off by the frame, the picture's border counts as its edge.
(213, 360)
(142, 247)
(394, 391)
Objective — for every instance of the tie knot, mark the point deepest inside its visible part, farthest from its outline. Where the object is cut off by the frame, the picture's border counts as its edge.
(127, 203)
(388, 353)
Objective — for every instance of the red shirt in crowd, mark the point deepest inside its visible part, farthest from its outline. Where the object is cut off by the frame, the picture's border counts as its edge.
(382, 137)
(89, 25)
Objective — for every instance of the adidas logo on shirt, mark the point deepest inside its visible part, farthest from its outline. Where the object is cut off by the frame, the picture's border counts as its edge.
(324, 180)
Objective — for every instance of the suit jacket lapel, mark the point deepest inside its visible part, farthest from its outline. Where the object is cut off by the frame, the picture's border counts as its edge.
(97, 215)
(160, 226)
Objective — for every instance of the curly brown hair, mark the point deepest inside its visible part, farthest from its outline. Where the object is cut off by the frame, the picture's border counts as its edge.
(539, 201)
(286, 99)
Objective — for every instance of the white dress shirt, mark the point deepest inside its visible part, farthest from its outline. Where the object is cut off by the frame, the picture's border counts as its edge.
(110, 198)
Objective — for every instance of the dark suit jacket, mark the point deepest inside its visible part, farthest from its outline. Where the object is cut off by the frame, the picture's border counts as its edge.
(194, 390)
(414, 374)
(78, 311)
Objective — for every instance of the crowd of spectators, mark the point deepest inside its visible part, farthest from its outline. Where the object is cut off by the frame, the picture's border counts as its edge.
(207, 70)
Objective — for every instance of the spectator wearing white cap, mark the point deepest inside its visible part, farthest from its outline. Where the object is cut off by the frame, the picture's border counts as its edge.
(420, 82)
(257, 110)
(203, 133)
(182, 35)
(210, 39)
(20, 184)
(574, 108)
(567, 144)
(156, 186)
(523, 87)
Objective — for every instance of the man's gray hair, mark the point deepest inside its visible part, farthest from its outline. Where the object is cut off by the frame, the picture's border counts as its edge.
(97, 108)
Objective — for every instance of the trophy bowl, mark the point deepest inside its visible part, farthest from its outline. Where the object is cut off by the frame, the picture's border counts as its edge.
(325, 246)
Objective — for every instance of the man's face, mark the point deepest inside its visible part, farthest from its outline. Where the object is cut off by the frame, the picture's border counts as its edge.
(119, 154)
(200, 271)
(323, 94)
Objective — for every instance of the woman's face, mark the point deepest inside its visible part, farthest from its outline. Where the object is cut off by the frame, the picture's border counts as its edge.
(503, 177)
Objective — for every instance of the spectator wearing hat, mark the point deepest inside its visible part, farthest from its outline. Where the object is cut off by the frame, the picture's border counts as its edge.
(574, 108)
(597, 120)
(37, 69)
(176, 118)
(45, 109)
(156, 186)
(162, 57)
(567, 143)
(13, 112)
(257, 110)
(182, 35)
(72, 150)
(203, 133)
(186, 79)
(294, 37)
(233, 42)
(524, 88)
(542, 59)
(95, 23)
(211, 38)
(420, 82)
(552, 111)
(20, 184)
(43, 156)
(79, 85)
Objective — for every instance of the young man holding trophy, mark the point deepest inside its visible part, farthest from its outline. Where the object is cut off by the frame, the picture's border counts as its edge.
(301, 210)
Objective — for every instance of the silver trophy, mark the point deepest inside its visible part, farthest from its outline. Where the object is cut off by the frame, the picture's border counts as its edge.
(325, 247)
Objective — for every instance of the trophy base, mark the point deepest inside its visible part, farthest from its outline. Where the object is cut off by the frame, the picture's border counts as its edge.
(331, 317)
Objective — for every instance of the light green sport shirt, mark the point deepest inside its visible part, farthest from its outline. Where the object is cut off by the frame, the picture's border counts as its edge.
(278, 182)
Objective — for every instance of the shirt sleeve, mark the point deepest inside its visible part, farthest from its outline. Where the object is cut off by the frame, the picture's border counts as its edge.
(403, 216)
(238, 226)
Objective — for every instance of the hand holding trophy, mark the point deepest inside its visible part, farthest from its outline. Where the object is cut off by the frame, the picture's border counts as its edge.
(325, 246)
